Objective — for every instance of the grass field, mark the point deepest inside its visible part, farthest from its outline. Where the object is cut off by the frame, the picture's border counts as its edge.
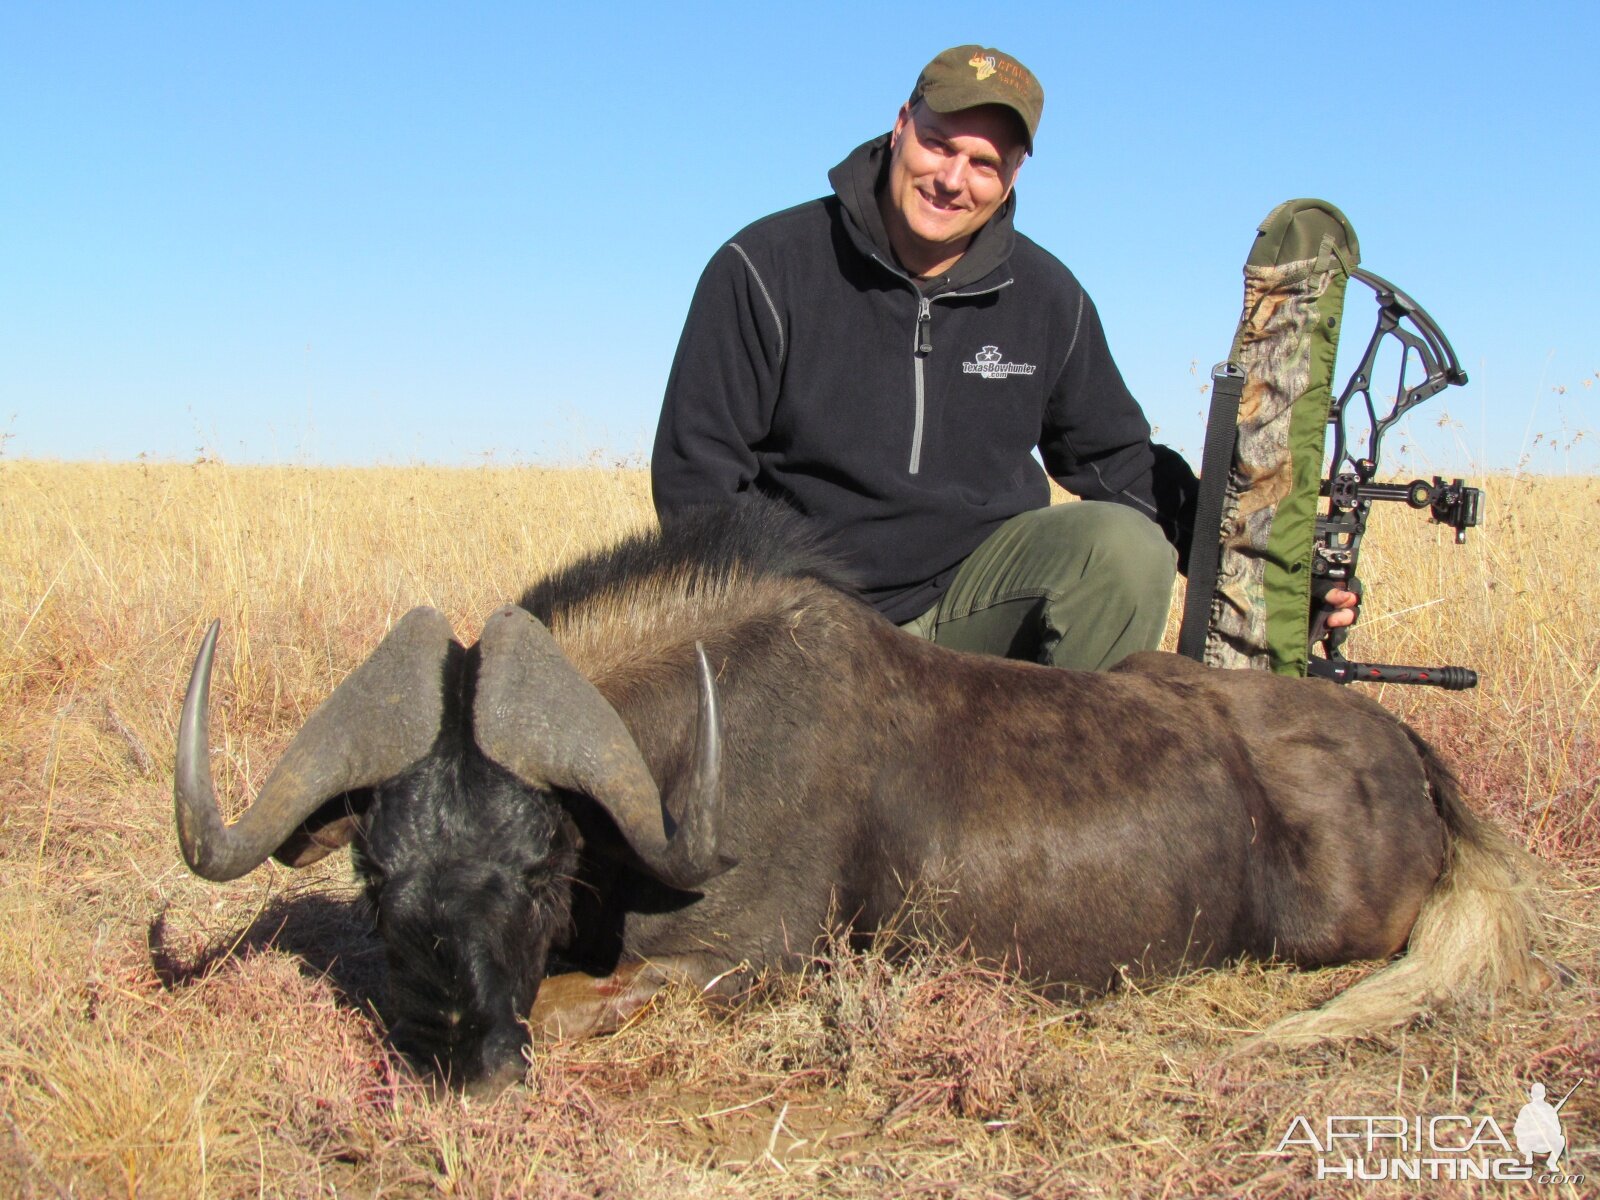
(161, 1036)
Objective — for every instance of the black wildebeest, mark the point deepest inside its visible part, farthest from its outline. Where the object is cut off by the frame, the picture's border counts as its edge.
(681, 758)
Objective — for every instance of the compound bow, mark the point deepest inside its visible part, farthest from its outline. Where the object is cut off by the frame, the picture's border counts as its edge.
(1350, 489)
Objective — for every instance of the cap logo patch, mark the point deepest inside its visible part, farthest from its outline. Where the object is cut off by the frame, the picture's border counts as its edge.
(984, 63)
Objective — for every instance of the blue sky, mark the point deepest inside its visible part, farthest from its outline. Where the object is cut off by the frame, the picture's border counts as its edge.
(393, 233)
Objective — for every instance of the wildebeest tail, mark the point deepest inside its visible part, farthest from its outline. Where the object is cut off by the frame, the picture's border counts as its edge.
(1475, 934)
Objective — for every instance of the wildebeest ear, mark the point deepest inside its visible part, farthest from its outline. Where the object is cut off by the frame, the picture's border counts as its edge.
(328, 829)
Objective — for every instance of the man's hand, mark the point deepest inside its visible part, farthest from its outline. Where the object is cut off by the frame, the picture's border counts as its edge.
(1344, 606)
(1334, 608)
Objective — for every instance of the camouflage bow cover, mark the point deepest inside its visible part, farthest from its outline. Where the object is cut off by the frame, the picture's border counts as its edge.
(1276, 551)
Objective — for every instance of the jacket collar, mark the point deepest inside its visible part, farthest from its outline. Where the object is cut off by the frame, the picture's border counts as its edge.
(856, 180)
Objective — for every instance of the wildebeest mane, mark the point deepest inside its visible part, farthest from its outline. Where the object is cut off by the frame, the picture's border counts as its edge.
(704, 548)
(704, 574)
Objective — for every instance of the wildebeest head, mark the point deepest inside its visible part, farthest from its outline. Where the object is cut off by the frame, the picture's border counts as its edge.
(443, 767)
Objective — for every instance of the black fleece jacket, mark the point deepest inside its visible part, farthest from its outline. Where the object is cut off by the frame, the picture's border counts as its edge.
(901, 419)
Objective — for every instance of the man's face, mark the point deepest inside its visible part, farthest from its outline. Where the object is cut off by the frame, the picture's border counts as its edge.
(948, 174)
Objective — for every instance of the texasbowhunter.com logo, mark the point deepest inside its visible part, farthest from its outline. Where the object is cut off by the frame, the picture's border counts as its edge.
(987, 364)
(1441, 1146)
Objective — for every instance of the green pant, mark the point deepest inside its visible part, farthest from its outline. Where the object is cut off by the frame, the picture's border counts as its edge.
(1075, 585)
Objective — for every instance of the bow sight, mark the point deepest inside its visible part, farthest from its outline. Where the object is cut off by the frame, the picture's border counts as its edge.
(1349, 490)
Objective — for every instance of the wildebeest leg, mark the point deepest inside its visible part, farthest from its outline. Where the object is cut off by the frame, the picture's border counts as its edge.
(577, 1005)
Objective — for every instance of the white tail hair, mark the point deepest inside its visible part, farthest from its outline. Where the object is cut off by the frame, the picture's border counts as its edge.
(1476, 932)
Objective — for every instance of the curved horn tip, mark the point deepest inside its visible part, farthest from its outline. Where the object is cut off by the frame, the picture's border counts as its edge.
(709, 723)
(694, 855)
(198, 693)
(708, 677)
(195, 803)
(381, 718)
(200, 673)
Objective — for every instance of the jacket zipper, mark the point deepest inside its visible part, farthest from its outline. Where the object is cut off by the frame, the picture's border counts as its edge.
(921, 347)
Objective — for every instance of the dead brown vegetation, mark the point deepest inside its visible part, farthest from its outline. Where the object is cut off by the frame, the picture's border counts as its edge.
(160, 1036)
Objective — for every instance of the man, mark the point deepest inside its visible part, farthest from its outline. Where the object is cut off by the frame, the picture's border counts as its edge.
(887, 359)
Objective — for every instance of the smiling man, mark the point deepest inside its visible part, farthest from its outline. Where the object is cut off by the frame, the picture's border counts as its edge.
(887, 360)
(948, 174)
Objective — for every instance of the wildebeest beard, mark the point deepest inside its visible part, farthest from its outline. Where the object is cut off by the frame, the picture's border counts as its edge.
(469, 875)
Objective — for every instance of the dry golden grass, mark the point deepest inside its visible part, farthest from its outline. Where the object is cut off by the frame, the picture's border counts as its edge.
(160, 1036)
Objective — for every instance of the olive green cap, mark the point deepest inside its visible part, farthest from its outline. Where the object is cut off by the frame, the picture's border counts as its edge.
(968, 76)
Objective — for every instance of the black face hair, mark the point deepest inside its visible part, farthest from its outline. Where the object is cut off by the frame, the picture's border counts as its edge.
(469, 875)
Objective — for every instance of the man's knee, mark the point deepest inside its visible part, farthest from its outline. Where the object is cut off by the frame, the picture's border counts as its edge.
(1076, 585)
(1123, 550)
(1142, 558)
(1116, 586)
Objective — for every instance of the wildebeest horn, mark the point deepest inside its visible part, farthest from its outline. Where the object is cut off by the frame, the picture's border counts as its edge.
(539, 718)
(380, 720)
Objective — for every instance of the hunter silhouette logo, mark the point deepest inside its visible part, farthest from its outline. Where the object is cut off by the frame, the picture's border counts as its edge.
(1538, 1127)
(984, 63)
(987, 364)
